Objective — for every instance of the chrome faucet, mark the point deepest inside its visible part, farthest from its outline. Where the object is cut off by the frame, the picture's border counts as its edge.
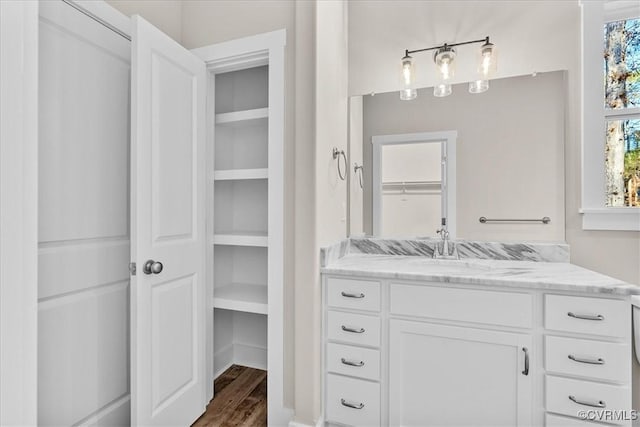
(447, 249)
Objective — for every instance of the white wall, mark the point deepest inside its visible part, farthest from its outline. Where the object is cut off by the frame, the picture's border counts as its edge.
(164, 14)
(531, 35)
(509, 151)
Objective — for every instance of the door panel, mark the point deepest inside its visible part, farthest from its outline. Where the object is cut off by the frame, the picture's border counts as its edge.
(83, 219)
(174, 145)
(168, 192)
(444, 375)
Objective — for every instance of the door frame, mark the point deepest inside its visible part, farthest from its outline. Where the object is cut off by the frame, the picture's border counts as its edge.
(238, 54)
(448, 141)
(19, 213)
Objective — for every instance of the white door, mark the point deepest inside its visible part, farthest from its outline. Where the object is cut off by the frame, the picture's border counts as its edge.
(452, 376)
(168, 376)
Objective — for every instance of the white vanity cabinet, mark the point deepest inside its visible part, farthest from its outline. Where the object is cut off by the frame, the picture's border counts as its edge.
(450, 375)
(426, 353)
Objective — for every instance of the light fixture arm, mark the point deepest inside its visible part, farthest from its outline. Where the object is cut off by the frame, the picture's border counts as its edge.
(446, 45)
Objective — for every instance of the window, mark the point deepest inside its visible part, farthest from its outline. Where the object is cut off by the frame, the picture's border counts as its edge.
(622, 116)
(611, 115)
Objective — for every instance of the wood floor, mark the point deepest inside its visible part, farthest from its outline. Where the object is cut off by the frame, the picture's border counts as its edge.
(240, 399)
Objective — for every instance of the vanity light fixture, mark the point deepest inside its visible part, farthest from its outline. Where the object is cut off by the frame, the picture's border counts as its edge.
(444, 58)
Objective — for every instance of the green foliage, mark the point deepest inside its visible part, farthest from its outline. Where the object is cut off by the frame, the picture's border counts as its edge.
(631, 163)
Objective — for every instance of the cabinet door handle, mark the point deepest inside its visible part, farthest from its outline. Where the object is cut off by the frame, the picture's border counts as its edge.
(526, 361)
(351, 362)
(354, 330)
(586, 316)
(598, 404)
(598, 361)
(352, 295)
(351, 404)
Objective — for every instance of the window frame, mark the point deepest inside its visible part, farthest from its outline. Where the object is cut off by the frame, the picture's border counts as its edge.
(595, 214)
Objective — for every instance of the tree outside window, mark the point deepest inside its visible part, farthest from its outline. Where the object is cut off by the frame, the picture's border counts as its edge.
(622, 112)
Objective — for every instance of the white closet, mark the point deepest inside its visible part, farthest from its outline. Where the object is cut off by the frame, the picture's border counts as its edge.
(245, 207)
(207, 288)
(240, 243)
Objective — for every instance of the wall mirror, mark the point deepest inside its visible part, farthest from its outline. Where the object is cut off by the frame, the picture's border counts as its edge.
(507, 145)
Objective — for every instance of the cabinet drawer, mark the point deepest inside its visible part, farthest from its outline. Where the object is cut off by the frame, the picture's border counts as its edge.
(355, 361)
(352, 402)
(596, 359)
(467, 305)
(552, 420)
(355, 294)
(353, 328)
(595, 316)
(559, 390)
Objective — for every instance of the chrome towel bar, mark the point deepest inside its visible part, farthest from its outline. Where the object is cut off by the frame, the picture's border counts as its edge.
(544, 220)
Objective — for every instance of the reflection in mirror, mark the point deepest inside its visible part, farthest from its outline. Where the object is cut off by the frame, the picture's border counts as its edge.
(509, 159)
(410, 189)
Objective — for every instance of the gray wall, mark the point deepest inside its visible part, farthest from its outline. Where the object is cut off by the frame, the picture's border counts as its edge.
(510, 151)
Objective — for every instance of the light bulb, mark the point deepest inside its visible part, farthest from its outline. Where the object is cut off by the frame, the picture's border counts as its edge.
(408, 92)
(444, 59)
(487, 61)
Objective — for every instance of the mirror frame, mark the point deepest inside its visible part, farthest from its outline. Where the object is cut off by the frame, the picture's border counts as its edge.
(448, 172)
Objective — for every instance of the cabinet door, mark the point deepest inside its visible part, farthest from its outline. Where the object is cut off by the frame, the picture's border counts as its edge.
(451, 376)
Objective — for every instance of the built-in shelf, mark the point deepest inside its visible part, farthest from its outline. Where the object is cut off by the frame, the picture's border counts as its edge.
(242, 117)
(239, 238)
(241, 297)
(239, 174)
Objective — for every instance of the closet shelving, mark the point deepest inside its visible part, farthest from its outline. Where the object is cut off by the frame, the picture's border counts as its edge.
(239, 183)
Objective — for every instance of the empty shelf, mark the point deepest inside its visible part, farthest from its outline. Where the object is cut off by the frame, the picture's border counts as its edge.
(242, 117)
(241, 297)
(238, 174)
(238, 238)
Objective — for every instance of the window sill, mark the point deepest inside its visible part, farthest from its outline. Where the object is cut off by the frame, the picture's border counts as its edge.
(619, 219)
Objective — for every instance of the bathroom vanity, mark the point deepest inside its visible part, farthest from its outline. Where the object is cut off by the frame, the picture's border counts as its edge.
(509, 334)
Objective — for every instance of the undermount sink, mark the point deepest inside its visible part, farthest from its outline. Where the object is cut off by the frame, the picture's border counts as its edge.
(450, 266)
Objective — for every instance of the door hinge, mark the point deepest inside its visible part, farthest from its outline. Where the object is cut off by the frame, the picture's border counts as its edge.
(132, 268)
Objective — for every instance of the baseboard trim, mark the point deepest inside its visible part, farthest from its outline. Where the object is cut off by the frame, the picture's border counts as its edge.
(109, 410)
(318, 423)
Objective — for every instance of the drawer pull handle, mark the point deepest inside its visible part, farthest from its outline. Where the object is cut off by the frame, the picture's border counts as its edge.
(598, 404)
(354, 330)
(526, 361)
(598, 361)
(352, 295)
(586, 316)
(352, 405)
(351, 362)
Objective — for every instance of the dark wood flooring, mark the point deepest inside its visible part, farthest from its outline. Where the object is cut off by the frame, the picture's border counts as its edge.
(240, 399)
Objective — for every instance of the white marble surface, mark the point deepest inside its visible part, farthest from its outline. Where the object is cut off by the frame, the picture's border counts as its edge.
(556, 276)
(544, 252)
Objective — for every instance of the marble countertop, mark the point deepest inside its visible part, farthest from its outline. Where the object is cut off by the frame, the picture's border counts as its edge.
(558, 276)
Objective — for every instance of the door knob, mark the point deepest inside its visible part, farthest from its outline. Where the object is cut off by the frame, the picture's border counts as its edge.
(152, 267)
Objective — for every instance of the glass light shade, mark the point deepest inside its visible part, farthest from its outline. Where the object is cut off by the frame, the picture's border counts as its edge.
(441, 90)
(478, 86)
(445, 61)
(487, 60)
(408, 94)
(408, 71)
